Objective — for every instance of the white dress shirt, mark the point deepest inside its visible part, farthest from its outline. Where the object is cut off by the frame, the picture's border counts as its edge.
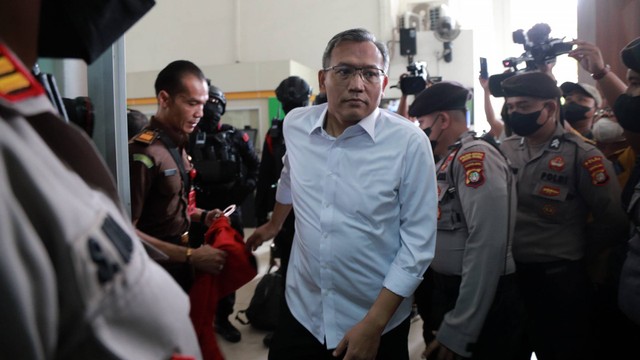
(366, 208)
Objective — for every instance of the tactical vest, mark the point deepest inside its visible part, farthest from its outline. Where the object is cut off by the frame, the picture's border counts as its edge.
(215, 157)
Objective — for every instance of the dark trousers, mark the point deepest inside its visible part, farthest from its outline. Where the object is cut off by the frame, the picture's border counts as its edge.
(558, 298)
(502, 332)
(292, 341)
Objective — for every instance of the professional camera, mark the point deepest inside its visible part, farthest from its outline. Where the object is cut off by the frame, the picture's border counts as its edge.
(416, 81)
(540, 50)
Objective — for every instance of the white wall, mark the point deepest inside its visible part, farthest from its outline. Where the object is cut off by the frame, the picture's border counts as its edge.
(250, 45)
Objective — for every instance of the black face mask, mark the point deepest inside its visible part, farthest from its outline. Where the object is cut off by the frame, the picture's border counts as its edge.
(433, 143)
(210, 117)
(524, 124)
(427, 132)
(575, 112)
(627, 110)
(85, 29)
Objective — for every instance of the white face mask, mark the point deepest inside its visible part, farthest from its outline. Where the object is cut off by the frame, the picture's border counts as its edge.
(606, 131)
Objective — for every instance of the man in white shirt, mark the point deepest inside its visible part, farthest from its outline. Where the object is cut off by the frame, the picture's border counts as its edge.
(362, 182)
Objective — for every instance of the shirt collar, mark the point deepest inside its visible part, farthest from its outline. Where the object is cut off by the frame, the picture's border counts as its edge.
(368, 124)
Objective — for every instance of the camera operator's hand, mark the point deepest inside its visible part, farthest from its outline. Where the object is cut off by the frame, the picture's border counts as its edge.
(588, 56)
(484, 83)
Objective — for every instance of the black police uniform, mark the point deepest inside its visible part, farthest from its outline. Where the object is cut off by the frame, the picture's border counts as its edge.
(226, 172)
(271, 166)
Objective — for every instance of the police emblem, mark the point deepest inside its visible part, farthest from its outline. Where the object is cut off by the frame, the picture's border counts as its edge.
(548, 209)
(474, 176)
(557, 163)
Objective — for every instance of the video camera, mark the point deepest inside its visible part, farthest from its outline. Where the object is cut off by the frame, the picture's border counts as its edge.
(416, 81)
(540, 50)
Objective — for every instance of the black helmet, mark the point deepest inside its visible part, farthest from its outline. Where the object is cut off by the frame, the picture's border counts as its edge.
(216, 93)
(294, 91)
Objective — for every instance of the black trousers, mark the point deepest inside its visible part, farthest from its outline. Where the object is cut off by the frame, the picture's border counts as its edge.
(502, 331)
(558, 298)
(292, 341)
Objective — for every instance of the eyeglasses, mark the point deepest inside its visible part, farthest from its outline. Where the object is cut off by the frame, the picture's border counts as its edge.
(371, 75)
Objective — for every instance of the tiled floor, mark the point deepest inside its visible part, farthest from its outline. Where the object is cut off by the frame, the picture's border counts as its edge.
(251, 347)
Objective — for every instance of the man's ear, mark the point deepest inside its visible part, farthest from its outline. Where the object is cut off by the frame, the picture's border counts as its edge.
(321, 76)
(163, 98)
(552, 106)
(446, 119)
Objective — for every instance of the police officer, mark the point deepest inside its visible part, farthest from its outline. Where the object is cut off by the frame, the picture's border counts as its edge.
(627, 110)
(562, 182)
(292, 92)
(469, 292)
(161, 208)
(226, 172)
(581, 103)
(76, 281)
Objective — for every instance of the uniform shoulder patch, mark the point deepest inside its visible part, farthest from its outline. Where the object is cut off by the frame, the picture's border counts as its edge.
(597, 170)
(147, 136)
(144, 159)
(16, 82)
(473, 164)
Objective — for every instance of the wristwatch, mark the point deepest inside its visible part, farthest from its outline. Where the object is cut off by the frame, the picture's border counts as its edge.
(600, 74)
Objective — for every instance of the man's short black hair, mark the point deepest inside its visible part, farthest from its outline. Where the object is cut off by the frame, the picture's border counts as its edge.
(170, 78)
(357, 35)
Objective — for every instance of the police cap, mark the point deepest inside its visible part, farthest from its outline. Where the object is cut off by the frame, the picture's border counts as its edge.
(533, 84)
(631, 55)
(586, 89)
(446, 95)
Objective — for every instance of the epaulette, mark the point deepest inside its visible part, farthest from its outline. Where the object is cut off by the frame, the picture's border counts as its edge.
(147, 136)
(581, 141)
(16, 82)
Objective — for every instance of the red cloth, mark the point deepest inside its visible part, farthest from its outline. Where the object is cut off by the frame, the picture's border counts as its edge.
(207, 289)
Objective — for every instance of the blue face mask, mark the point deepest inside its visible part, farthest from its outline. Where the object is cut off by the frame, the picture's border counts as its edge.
(524, 124)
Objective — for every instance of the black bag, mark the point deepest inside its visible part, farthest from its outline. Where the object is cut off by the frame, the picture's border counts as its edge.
(264, 306)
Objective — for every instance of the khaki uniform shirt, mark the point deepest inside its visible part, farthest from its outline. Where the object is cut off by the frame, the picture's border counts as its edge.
(560, 184)
(476, 214)
(76, 282)
(158, 199)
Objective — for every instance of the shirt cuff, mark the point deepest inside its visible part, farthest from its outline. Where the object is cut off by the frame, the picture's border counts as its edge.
(400, 282)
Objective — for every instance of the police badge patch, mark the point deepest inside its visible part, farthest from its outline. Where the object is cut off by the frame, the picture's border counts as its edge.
(473, 166)
(557, 163)
(596, 169)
